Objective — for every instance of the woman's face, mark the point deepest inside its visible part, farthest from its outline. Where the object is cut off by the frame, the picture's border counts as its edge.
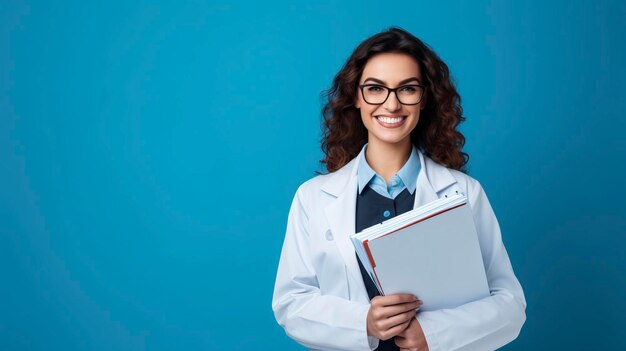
(390, 122)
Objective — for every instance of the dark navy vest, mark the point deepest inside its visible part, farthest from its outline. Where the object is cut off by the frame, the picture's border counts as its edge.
(373, 208)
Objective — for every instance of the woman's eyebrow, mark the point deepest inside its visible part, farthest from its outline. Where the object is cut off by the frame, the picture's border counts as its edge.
(375, 80)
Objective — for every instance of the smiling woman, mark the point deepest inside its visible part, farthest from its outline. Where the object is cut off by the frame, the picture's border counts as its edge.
(390, 144)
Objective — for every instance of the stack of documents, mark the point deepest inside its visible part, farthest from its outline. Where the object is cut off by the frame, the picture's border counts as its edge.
(431, 251)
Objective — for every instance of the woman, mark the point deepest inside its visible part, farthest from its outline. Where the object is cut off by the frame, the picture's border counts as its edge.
(391, 144)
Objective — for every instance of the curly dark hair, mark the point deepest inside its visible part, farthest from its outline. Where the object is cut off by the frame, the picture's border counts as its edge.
(343, 132)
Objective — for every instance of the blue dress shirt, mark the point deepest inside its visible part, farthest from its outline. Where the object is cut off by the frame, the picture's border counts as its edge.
(405, 178)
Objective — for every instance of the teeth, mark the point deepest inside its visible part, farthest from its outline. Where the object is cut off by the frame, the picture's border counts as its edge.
(390, 120)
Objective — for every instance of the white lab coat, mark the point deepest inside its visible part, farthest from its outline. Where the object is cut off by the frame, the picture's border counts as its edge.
(320, 298)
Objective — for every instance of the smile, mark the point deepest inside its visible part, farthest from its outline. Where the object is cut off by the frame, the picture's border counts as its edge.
(391, 122)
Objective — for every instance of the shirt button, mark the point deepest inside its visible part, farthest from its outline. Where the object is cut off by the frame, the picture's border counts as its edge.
(387, 214)
(394, 182)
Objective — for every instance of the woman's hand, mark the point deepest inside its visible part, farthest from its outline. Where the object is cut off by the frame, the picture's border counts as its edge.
(390, 315)
(412, 338)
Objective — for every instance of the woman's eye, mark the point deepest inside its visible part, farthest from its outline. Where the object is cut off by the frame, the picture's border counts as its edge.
(374, 89)
(408, 89)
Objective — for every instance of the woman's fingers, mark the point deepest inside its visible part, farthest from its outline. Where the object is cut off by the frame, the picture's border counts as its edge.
(383, 312)
(390, 311)
(393, 331)
(396, 320)
(384, 307)
(390, 315)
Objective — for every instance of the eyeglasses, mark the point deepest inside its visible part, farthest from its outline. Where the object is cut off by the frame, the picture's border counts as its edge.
(375, 94)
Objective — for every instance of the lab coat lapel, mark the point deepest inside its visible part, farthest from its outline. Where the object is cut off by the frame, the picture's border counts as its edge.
(424, 191)
(341, 214)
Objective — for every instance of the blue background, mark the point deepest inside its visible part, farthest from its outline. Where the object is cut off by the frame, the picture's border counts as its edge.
(149, 153)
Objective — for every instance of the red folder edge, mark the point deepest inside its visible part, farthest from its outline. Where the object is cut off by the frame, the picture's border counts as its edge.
(371, 258)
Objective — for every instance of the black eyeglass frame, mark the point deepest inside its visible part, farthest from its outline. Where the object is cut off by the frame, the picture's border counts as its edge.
(390, 90)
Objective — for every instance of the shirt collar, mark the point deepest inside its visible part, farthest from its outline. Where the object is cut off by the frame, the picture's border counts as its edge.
(408, 173)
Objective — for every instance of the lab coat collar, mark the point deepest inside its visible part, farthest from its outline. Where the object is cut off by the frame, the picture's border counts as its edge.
(341, 213)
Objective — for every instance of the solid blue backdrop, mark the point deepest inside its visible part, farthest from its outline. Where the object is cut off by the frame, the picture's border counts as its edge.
(149, 153)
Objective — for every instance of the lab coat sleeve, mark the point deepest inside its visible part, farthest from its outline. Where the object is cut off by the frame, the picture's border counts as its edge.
(491, 322)
(312, 319)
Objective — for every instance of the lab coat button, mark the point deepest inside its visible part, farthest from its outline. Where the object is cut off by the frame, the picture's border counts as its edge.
(329, 235)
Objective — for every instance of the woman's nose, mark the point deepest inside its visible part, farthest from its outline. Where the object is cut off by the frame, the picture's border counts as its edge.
(392, 103)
